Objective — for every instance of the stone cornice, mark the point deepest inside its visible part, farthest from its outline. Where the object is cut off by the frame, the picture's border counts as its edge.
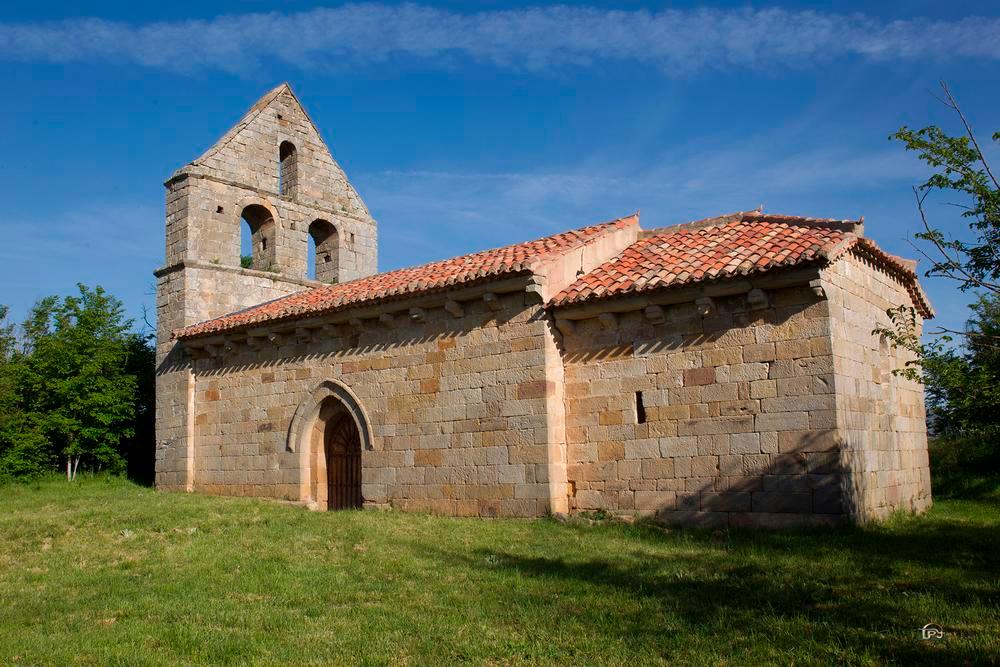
(270, 275)
(185, 173)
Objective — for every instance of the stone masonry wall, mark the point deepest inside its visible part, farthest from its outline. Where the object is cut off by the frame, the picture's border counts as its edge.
(202, 278)
(457, 408)
(204, 222)
(248, 154)
(739, 429)
(880, 416)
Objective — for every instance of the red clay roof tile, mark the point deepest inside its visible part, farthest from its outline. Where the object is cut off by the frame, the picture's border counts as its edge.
(727, 247)
(508, 260)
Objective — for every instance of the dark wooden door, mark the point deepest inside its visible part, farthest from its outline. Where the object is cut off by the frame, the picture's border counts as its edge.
(343, 464)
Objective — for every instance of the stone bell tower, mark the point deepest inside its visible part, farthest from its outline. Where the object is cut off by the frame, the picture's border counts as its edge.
(273, 172)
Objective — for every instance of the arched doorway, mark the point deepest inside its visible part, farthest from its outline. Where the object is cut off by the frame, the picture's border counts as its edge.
(336, 452)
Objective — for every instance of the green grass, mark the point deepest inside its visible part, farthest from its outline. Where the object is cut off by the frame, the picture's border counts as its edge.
(106, 572)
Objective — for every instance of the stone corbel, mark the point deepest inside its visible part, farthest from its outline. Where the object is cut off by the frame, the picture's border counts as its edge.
(491, 301)
(195, 350)
(387, 319)
(608, 320)
(566, 327)
(213, 350)
(816, 285)
(757, 298)
(356, 323)
(705, 306)
(417, 315)
(454, 308)
(536, 286)
(656, 314)
(275, 338)
(303, 335)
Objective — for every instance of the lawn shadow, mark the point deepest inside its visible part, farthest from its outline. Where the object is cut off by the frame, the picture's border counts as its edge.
(764, 579)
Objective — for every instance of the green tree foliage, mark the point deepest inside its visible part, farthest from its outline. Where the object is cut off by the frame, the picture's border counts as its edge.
(960, 368)
(960, 169)
(971, 258)
(76, 388)
(963, 383)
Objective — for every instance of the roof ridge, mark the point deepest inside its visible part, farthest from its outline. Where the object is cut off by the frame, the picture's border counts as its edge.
(846, 225)
(703, 223)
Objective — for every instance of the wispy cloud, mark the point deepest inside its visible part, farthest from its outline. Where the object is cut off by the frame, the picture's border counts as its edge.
(536, 39)
(470, 210)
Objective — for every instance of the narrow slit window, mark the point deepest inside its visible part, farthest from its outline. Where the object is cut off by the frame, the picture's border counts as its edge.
(288, 169)
(640, 409)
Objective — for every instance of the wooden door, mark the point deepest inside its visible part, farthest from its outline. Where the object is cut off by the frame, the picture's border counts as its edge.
(343, 464)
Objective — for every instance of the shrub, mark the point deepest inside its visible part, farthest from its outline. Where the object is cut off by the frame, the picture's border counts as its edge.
(966, 466)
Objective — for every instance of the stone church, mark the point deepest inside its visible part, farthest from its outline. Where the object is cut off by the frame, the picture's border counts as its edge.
(720, 372)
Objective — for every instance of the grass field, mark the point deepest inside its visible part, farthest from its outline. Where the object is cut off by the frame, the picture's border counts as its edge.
(106, 572)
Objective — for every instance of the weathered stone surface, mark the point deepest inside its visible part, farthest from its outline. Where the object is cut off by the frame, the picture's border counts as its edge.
(712, 411)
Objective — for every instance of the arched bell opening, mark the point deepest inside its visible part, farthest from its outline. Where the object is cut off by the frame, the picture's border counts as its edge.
(257, 249)
(324, 252)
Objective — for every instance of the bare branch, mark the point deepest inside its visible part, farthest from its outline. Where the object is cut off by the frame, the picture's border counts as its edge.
(145, 319)
(953, 264)
(970, 334)
(972, 137)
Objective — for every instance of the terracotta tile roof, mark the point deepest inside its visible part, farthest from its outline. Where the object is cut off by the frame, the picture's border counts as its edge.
(728, 247)
(488, 264)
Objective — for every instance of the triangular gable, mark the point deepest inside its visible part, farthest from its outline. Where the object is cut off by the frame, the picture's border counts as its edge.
(247, 154)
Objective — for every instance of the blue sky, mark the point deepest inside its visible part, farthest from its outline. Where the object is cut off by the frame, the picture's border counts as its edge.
(472, 125)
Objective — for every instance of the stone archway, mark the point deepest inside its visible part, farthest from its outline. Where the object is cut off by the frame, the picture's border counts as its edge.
(335, 450)
(329, 432)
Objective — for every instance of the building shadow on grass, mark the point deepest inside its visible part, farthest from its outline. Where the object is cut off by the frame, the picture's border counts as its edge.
(852, 591)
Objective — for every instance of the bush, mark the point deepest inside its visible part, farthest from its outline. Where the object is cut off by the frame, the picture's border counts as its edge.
(965, 466)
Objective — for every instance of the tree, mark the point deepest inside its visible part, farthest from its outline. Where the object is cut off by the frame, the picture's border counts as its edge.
(962, 381)
(76, 395)
(960, 167)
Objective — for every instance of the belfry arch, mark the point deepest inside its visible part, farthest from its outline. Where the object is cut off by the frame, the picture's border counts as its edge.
(325, 246)
(259, 222)
(330, 432)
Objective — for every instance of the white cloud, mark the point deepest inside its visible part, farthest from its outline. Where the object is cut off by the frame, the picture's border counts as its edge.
(425, 215)
(535, 39)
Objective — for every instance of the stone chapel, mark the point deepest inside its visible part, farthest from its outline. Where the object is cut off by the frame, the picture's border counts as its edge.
(721, 372)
